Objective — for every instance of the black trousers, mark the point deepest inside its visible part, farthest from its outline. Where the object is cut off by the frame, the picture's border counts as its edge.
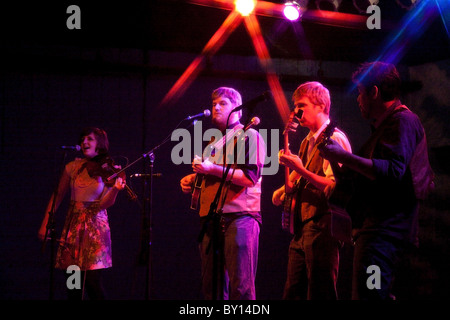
(91, 284)
(313, 263)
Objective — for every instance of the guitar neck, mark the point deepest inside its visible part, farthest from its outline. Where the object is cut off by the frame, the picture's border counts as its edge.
(218, 145)
(336, 170)
(288, 185)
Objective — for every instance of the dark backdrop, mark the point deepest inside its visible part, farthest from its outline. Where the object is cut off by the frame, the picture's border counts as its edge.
(49, 92)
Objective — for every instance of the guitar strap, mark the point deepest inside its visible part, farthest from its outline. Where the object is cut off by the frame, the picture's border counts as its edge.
(233, 165)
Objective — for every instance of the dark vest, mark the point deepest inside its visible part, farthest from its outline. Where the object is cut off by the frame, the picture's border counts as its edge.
(311, 201)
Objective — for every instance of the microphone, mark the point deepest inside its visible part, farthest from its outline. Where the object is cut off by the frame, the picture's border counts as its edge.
(251, 103)
(77, 147)
(205, 113)
(254, 122)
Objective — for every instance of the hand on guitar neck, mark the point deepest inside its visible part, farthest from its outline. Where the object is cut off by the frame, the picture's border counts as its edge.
(202, 166)
(294, 163)
(332, 151)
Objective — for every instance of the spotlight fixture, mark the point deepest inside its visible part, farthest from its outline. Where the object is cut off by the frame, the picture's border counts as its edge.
(362, 5)
(292, 10)
(245, 7)
(329, 5)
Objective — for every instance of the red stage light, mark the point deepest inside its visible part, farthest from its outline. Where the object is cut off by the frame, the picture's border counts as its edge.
(245, 7)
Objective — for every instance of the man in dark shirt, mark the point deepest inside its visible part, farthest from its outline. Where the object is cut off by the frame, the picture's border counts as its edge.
(392, 174)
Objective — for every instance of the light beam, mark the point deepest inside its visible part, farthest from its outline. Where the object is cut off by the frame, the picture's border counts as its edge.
(213, 45)
(254, 31)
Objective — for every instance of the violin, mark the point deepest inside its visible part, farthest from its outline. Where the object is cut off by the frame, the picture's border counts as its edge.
(103, 166)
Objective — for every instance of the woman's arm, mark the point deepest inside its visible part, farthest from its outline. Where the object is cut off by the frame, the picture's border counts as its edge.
(63, 187)
(110, 196)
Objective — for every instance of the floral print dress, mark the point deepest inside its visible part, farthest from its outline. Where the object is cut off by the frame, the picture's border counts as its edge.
(86, 238)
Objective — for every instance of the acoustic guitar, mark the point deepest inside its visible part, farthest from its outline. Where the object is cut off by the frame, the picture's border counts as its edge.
(236, 132)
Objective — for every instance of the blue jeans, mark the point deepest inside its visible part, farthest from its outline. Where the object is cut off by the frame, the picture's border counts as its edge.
(237, 260)
(373, 249)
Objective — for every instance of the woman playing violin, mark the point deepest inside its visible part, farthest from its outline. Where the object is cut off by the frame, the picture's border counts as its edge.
(86, 240)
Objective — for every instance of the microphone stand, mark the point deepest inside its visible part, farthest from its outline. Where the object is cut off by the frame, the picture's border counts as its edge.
(50, 229)
(145, 255)
(214, 215)
(146, 246)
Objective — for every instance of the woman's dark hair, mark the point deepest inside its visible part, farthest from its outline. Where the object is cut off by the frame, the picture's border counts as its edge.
(383, 75)
(102, 138)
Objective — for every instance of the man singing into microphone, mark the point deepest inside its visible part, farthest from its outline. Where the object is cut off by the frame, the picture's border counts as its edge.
(238, 208)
